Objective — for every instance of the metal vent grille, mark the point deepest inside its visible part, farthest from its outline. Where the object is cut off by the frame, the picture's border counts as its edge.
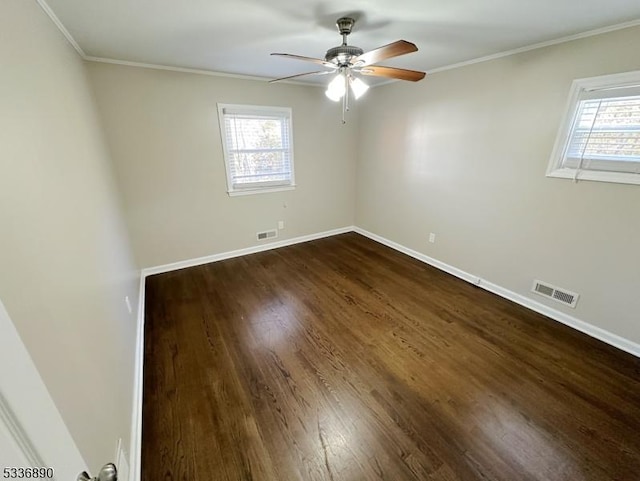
(544, 290)
(556, 293)
(563, 297)
(267, 234)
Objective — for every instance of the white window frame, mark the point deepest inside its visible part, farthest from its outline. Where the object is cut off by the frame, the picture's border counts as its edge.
(264, 186)
(581, 89)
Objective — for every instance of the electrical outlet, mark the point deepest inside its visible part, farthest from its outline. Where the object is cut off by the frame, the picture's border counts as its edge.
(128, 303)
(432, 237)
(280, 224)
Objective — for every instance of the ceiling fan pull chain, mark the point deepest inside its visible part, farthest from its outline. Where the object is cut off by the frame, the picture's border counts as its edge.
(346, 90)
(344, 108)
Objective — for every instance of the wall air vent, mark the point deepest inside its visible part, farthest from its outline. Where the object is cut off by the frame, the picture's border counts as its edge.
(558, 294)
(267, 234)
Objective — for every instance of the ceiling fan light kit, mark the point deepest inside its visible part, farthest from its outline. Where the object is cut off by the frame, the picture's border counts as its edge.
(358, 87)
(347, 60)
(336, 88)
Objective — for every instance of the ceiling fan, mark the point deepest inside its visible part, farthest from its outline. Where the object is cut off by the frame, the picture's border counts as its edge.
(347, 60)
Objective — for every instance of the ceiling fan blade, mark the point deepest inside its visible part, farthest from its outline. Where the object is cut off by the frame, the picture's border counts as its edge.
(392, 72)
(319, 72)
(395, 49)
(307, 59)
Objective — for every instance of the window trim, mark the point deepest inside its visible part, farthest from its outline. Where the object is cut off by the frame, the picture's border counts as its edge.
(579, 88)
(256, 187)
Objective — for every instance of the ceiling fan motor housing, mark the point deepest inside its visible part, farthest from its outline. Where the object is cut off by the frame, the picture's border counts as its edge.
(342, 54)
(348, 58)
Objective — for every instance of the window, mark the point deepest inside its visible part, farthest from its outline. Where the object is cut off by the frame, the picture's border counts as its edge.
(600, 135)
(258, 150)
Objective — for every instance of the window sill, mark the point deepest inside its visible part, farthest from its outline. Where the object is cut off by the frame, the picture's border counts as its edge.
(261, 190)
(598, 176)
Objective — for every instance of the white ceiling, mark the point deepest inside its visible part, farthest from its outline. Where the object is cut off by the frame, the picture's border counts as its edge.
(237, 36)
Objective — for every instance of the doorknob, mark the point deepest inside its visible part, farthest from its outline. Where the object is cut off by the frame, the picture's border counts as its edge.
(107, 473)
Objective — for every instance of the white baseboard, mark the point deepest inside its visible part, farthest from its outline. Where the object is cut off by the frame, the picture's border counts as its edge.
(136, 431)
(454, 271)
(242, 252)
(582, 326)
(136, 416)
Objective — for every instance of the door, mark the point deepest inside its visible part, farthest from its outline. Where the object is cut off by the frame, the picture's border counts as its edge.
(32, 432)
(10, 454)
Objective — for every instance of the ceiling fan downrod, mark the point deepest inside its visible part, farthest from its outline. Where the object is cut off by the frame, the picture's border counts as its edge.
(345, 25)
(343, 54)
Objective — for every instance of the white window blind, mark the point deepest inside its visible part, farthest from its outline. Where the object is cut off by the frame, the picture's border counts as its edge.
(257, 144)
(599, 138)
(606, 135)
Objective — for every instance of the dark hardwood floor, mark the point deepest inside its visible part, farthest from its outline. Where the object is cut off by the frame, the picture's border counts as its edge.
(341, 359)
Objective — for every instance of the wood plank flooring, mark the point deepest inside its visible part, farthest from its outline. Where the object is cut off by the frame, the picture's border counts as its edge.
(340, 359)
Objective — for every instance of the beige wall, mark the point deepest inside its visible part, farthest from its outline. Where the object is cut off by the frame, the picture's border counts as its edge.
(65, 262)
(464, 153)
(164, 137)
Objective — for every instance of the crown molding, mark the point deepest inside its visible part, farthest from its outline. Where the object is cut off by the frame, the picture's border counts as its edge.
(210, 73)
(569, 38)
(47, 9)
(154, 66)
(535, 46)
